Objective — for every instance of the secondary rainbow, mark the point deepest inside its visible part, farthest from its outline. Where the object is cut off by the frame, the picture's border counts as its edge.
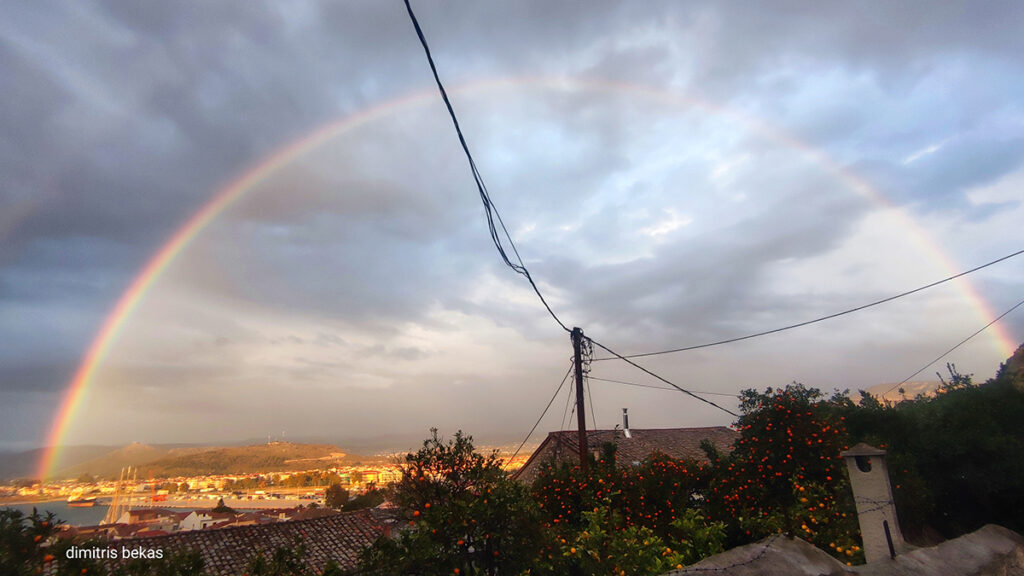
(236, 189)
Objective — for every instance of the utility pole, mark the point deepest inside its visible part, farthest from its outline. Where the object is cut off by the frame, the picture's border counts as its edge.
(581, 418)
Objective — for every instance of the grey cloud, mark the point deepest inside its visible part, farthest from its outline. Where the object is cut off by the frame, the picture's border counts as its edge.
(34, 376)
(122, 120)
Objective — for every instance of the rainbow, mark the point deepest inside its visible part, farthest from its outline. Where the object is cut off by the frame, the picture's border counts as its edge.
(236, 189)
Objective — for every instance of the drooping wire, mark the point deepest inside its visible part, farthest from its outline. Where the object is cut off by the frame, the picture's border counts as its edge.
(645, 370)
(590, 399)
(821, 319)
(537, 423)
(568, 400)
(660, 387)
(947, 352)
(489, 208)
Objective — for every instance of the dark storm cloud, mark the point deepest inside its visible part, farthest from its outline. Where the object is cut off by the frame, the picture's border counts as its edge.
(34, 377)
(120, 120)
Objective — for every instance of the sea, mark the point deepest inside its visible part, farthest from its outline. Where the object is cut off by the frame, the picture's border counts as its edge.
(74, 516)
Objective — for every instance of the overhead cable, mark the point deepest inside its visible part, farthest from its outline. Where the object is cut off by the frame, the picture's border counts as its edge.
(645, 370)
(489, 208)
(565, 412)
(947, 352)
(823, 318)
(590, 398)
(639, 385)
(537, 423)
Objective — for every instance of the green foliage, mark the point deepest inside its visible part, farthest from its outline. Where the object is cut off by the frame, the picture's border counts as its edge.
(697, 537)
(957, 381)
(785, 473)
(222, 507)
(642, 519)
(369, 499)
(24, 541)
(30, 545)
(603, 546)
(300, 480)
(956, 459)
(465, 515)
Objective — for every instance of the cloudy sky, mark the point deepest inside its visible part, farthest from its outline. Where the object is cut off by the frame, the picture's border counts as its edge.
(671, 173)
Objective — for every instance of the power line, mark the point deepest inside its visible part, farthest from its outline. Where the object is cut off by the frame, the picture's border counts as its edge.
(489, 208)
(962, 342)
(537, 423)
(642, 369)
(590, 398)
(823, 318)
(660, 387)
(565, 411)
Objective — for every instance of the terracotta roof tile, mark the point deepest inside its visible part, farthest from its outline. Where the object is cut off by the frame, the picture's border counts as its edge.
(339, 537)
(563, 446)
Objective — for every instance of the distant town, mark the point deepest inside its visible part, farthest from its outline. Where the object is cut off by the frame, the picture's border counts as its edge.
(138, 507)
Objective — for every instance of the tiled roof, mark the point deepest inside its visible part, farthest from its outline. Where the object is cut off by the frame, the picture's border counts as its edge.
(226, 551)
(563, 446)
(142, 513)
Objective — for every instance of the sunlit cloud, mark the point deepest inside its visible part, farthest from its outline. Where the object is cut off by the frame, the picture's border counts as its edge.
(671, 223)
(926, 151)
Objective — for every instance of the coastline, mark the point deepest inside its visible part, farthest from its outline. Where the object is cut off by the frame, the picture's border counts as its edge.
(22, 502)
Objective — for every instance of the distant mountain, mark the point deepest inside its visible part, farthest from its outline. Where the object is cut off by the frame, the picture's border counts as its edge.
(272, 457)
(911, 390)
(25, 464)
(109, 464)
(171, 460)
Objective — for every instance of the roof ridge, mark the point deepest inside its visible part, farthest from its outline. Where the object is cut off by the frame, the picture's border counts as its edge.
(288, 523)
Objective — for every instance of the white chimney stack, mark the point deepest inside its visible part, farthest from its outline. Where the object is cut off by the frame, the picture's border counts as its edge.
(625, 423)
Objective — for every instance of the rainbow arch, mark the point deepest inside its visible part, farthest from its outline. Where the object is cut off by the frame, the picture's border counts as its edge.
(237, 188)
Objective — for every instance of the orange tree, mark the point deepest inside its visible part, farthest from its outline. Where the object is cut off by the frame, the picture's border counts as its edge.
(785, 473)
(463, 514)
(641, 519)
(34, 544)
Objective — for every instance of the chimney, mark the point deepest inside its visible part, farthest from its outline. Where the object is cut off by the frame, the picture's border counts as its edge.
(625, 423)
(872, 493)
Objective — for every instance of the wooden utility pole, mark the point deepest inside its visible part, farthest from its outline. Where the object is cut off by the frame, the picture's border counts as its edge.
(581, 418)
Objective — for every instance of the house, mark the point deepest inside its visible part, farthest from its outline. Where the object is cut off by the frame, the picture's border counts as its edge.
(389, 475)
(203, 519)
(339, 537)
(633, 446)
(146, 516)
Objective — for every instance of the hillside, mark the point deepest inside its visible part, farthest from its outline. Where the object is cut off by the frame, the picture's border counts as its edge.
(25, 464)
(109, 464)
(273, 457)
(1013, 368)
(891, 390)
